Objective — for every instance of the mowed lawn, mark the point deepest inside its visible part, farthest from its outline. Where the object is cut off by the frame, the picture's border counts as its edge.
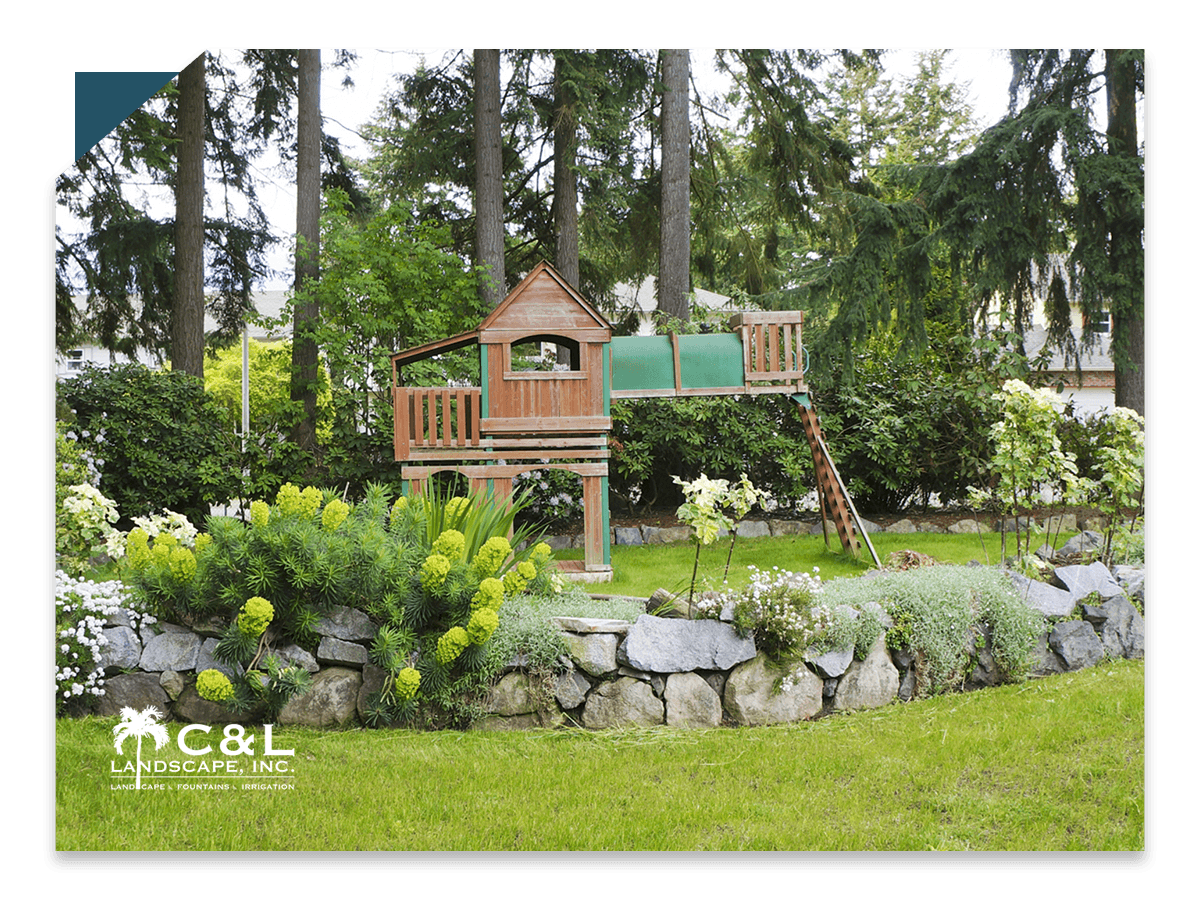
(1051, 764)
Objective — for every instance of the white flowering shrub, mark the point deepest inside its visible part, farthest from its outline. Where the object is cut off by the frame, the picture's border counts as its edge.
(554, 495)
(83, 527)
(81, 609)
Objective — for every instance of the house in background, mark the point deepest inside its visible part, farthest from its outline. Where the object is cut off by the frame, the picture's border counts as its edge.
(68, 363)
(641, 300)
(1090, 387)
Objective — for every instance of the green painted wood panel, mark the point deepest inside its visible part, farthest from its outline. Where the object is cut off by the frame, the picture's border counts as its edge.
(711, 361)
(647, 363)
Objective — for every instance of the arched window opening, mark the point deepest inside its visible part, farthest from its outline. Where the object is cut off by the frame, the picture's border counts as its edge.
(545, 353)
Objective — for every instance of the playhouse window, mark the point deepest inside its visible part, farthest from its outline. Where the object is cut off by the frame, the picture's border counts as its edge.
(544, 353)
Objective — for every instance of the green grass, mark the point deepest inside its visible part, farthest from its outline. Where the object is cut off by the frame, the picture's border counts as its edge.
(639, 571)
(1054, 764)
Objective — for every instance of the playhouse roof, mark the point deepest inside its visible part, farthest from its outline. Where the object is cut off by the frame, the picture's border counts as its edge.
(543, 303)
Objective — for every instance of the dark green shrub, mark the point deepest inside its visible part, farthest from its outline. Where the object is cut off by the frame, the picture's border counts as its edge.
(721, 437)
(163, 444)
(908, 428)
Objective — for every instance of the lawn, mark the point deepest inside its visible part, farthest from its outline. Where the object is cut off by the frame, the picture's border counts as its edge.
(1053, 764)
(639, 571)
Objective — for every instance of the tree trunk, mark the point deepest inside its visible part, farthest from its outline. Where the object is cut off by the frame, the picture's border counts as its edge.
(1125, 238)
(674, 256)
(566, 191)
(566, 188)
(308, 236)
(187, 308)
(489, 175)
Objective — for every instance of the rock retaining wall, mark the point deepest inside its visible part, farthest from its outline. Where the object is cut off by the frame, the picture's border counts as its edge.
(754, 528)
(655, 671)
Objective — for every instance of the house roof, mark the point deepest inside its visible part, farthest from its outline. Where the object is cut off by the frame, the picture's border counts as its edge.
(1097, 358)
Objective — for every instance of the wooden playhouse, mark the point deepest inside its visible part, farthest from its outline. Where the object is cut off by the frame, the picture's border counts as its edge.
(520, 419)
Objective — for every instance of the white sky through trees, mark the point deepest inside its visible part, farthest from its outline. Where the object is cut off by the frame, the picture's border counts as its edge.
(985, 73)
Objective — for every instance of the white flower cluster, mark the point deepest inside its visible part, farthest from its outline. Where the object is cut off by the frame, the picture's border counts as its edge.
(168, 522)
(93, 462)
(89, 506)
(782, 607)
(82, 608)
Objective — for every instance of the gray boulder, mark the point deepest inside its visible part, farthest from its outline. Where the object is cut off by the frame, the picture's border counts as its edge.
(578, 625)
(175, 651)
(1084, 542)
(751, 699)
(622, 703)
(627, 537)
(173, 683)
(1132, 580)
(121, 649)
(788, 527)
(869, 683)
(206, 659)
(136, 690)
(334, 651)
(571, 689)
(831, 663)
(510, 696)
(904, 526)
(298, 656)
(1050, 601)
(191, 707)
(596, 653)
(684, 645)
(672, 535)
(373, 680)
(753, 528)
(1080, 581)
(691, 702)
(969, 526)
(1076, 643)
(346, 624)
(1120, 627)
(331, 702)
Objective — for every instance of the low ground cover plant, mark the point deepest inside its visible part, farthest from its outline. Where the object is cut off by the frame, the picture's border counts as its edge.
(944, 616)
(82, 608)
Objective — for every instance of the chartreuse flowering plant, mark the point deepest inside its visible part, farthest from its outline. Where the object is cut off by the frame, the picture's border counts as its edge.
(465, 568)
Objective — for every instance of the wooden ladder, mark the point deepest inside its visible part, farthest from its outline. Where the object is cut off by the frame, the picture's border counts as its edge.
(835, 499)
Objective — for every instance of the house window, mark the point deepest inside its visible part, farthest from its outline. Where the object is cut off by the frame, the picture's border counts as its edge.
(1101, 324)
(74, 360)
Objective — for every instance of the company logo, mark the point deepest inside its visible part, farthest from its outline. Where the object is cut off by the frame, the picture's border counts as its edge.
(233, 765)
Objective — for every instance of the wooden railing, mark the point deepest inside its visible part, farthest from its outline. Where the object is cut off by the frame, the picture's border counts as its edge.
(772, 348)
(436, 418)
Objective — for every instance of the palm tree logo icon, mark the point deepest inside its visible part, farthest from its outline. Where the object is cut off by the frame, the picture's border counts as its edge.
(139, 725)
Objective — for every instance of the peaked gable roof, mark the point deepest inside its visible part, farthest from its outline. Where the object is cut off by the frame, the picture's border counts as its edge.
(543, 302)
